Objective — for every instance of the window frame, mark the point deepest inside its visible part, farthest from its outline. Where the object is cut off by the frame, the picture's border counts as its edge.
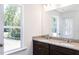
(21, 31)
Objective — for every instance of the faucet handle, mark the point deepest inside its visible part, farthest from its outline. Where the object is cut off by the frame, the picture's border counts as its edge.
(69, 41)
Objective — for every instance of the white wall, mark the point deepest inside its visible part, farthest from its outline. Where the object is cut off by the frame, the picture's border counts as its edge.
(1, 28)
(45, 23)
(1, 24)
(32, 25)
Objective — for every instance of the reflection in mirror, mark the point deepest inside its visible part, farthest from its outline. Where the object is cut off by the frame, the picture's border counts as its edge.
(55, 25)
(65, 21)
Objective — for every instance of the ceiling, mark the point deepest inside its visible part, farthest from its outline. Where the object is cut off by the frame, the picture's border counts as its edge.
(73, 7)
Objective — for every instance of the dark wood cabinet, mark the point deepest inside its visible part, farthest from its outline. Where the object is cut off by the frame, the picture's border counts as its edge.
(57, 50)
(40, 48)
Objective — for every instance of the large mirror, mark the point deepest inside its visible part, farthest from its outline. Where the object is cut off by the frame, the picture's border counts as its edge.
(65, 21)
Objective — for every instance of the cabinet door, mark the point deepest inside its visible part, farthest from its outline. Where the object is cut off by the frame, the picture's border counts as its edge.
(54, 50)
(76, 52)
(40, 48)
(58, 50)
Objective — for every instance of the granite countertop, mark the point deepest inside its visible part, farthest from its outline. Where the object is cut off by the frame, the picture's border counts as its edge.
(59, 42)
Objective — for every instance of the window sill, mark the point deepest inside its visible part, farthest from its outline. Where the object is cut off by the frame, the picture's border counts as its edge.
(14, 51)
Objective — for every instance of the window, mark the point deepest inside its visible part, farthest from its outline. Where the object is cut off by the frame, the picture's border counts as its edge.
(55, 25)
(12, 27)
(67, 27)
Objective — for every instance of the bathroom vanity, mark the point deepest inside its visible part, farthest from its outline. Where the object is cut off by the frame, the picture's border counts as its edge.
(54, 46)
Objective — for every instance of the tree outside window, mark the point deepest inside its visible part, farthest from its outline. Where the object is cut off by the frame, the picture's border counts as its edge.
(12, 22)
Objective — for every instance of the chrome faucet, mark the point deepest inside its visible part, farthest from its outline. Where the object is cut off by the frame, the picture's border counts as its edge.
(68, 41)
(47, 37)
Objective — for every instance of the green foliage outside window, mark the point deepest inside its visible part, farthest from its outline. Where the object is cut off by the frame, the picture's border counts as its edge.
(12, 18)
